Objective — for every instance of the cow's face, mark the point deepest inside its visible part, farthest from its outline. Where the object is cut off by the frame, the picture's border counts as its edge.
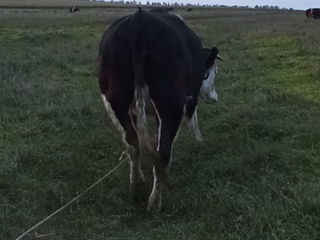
(207, 90)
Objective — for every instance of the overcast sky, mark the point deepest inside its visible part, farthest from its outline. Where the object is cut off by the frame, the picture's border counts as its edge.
(295, 4)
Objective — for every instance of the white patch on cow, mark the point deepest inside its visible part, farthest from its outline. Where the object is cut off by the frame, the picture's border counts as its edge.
(207, 90)
(195, 127)
(140, 99)
(155, 193)
(155, 179)
(160, 123)
(140, 95)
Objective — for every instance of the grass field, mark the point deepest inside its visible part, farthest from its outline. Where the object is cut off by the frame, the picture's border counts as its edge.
(256, 176)
(52, 4)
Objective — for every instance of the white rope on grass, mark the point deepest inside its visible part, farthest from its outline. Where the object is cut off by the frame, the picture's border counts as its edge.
(122, 160)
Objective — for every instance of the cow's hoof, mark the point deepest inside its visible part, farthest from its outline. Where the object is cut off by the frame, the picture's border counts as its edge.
(154, 207)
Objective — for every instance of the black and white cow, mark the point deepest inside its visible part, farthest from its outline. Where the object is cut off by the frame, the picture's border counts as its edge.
(74, 9)
(313, 13)
(152, 59)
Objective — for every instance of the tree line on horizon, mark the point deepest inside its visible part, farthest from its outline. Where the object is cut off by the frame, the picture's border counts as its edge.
(187, 5)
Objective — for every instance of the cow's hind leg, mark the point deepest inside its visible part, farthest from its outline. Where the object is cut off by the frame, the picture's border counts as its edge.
(169, 120)
(120, 117)
(192, 117)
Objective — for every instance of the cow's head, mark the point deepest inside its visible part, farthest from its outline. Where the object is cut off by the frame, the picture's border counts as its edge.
(207, 91)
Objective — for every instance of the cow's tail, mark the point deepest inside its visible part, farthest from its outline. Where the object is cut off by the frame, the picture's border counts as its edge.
(141, 92)
(138, 47)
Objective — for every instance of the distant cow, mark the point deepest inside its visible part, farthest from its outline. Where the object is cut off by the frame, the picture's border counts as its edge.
(74, 9)
(152, 59)
(313, 13)
(189, 10)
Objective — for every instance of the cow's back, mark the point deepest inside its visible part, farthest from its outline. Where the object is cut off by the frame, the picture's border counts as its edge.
(316, 13)
(173, 56)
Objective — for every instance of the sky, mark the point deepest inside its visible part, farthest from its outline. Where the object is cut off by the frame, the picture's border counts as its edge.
(295, 4)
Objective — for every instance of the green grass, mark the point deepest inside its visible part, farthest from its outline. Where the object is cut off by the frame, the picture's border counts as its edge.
(256, 176)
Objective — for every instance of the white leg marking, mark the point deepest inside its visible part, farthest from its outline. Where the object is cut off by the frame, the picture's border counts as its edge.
(130, 151)
(140, 100)
(156, 194)
(114, 119)
(170, 160)
(195, 127)
(160, 124)
(154, 188)
(141, 96)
